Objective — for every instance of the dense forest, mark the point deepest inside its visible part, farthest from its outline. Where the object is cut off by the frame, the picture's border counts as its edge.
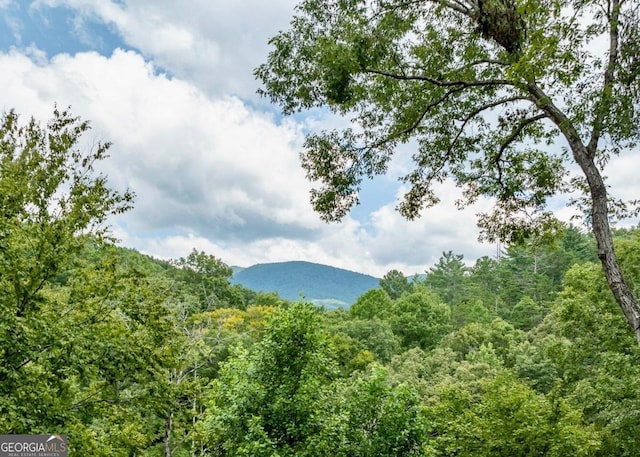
(526, 354)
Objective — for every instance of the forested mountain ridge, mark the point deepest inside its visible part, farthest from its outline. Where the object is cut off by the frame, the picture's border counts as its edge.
(314, 282)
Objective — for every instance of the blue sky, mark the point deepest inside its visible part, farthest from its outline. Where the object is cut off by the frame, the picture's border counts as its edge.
(213, 166)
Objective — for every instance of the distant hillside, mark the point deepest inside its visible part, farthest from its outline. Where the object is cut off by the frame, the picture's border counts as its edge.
(321, 284)
(237, 269)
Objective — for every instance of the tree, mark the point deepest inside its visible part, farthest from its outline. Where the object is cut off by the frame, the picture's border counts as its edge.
(209, 277)
(368, 415)
(487, 89)
(48, 195)
(394, 283)
(420, 319)
(449, 278)
(485, 283)
(264, 403)
(283, 399)
(508, 419)
(599, 360)
(86, 342)
(374, 303)
(523, 272)
(373, 334)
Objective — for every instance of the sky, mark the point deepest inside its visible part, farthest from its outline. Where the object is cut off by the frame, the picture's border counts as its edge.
(214, 167)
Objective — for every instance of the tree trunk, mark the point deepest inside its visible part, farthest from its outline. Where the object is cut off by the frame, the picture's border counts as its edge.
(585, 157)
(602, 231)
(167, 435)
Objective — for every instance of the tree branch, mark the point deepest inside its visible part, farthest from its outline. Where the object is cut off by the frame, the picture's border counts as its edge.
(518, 130)
(480, 109)
(435, 171)
(486, 61)
(510, 139)
(88, 398)
(439, 82)
(607, 85)
(456, 6)
(417, 122)
(544, 102)
(29, 359)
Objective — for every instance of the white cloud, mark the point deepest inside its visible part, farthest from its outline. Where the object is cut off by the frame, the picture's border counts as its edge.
(211, 165)
(392, 243)
(420, 243)
(214, 44)
(216, 175)
(209, 171)
(622, 173)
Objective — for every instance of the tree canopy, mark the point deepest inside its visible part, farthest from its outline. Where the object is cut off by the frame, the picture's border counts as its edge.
(504, 97)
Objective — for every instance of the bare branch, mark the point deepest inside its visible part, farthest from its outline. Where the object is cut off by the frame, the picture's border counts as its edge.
(607, 85)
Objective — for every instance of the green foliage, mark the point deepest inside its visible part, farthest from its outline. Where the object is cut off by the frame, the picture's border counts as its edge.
(449, 278)
(468, 312)
(266, 402)
(374, 335)
(506, 419)
(501, 335)
(218, 333)
(87, 342)
(283, 399)
(374, 303)
(599, 360)
(370, 416)
(526, 314)
(394, 283)
(420, 319)
(628, 249)
(526, 276)
(208, 277)
(587, 314)
(48, 195)
(534, 365)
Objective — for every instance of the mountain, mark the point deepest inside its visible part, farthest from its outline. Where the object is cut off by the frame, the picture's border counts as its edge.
(321, 284)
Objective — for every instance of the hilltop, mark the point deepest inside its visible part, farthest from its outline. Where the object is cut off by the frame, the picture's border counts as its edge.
(321, 284)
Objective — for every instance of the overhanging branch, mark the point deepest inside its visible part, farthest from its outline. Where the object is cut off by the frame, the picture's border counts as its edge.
(518, 130)
(440, 82)
(480, 109)
(515, 133)
(417, 122)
